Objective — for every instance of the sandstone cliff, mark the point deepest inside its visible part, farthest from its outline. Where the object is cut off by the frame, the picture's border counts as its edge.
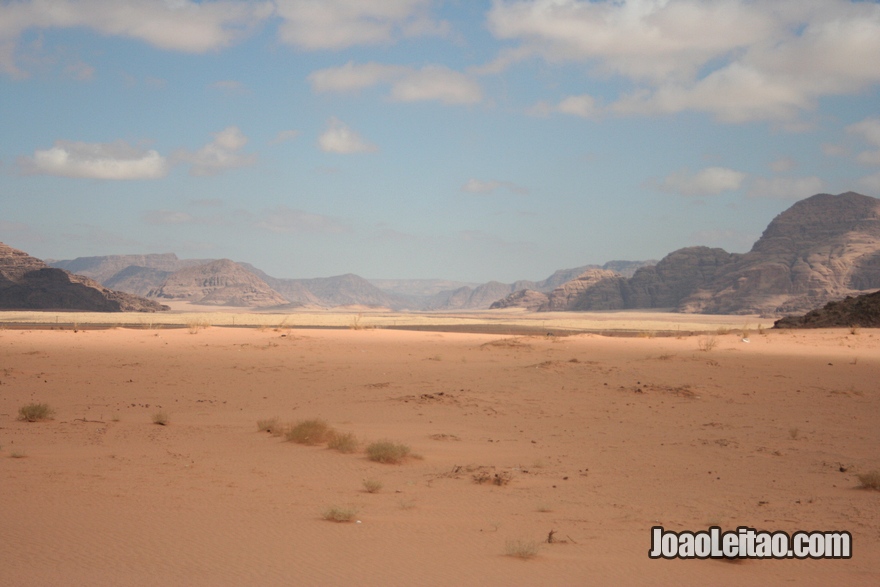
(219, 283)
(821, 249)
(27, 283)
(525, 298)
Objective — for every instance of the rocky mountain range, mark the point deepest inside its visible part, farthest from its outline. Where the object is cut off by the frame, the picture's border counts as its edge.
(27, 283)
(821, 249)
(224, 282)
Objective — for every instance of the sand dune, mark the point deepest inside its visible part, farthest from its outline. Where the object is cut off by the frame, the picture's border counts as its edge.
(601, 439)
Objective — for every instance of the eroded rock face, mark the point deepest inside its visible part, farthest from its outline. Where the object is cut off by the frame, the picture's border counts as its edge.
(594, 289)
(821, 249)
(27, 283)
(218, 283)
(858, 311)
(525, 298)
(675, 277)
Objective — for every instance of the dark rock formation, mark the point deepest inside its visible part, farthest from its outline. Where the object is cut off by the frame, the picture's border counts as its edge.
(863, 310)
(27, 283)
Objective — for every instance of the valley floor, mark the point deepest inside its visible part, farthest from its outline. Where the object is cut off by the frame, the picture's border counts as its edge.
(600, 438)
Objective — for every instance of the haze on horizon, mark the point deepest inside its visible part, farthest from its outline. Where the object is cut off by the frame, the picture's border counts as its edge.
(426, 139)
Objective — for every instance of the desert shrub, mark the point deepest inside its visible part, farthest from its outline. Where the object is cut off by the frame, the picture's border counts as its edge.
(870, 480)
(524, 549)
(309, 432)
(338, 514)
(707, 343)
(345, 443)
(160, 418)
(35, 412)
(197, 324)
(388, 452)
(372, 485)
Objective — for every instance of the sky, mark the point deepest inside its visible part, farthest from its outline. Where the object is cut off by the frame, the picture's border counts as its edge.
(406, 139)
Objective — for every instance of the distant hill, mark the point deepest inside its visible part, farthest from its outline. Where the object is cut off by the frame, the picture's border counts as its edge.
(863, 310)
(221, 283)
(822, 248)
(104, 269)
(27, 283)
(485, 295)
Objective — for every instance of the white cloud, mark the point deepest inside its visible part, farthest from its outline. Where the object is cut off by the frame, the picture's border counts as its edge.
(479, 186)
(432, 82)
(735, 59)
(337, 24)
(584, 106)
(351, 76)
(283, 219)
(707, 182)
(436, 82)
(178, 25)
(338, 138)
(785, 188)
(221, 154)
(116, 160)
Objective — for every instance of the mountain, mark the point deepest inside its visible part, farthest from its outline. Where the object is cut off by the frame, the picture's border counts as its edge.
(27, 283)
(863, 310)
(350, 289)
(220, 283)
(104, 269)
(822, 248)
(485, 295)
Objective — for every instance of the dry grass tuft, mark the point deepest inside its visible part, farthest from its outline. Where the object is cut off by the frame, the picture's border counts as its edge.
(707, 343)
(338, 514)
(522, 549)
(345, 443)
(198, 324)
(35, 412)
(388, 452)
(870, 480)
(372, 485)
(160, 418)
(310, 432)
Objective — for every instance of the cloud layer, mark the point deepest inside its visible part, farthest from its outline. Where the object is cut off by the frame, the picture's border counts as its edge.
(735, 59)
(117, 160)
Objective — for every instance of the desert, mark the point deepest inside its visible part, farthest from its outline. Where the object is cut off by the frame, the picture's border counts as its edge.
(594, 438)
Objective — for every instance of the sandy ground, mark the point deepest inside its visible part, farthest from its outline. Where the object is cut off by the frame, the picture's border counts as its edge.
(601, 437)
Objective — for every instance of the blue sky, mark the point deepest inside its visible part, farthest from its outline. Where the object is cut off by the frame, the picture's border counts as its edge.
(463, 140)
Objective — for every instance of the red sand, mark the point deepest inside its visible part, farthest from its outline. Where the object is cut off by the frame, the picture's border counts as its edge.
(603, 438)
